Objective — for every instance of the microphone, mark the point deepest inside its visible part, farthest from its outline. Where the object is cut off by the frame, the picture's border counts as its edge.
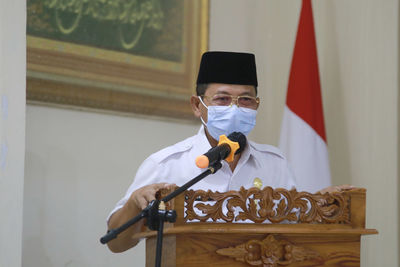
(226, 149)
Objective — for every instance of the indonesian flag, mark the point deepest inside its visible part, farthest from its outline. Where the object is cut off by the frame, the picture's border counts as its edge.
(303, 138)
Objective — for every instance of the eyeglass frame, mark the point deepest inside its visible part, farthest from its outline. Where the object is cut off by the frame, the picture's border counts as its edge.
(236, 99)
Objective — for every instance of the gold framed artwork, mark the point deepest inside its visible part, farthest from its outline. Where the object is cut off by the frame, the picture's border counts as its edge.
(127, 56)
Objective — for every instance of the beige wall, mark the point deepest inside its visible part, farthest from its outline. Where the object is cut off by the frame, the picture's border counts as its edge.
(78, 164)
(12, 129)
(359, 69)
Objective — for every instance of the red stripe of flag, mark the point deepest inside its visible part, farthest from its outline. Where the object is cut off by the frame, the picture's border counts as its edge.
(304, 90)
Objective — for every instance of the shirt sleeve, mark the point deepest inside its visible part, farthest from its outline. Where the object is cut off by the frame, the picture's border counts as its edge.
(148, 173)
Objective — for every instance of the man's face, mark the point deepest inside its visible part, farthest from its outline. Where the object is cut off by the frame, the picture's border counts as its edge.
(213, 89)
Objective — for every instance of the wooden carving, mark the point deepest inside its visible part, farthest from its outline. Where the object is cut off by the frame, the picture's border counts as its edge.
(289, 228)
(269, 252)
(267, 205)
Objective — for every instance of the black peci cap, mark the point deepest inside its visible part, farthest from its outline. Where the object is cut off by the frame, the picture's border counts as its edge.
(228, 67)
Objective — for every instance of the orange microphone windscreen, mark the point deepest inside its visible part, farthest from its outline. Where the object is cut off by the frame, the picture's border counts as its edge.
(202, 162)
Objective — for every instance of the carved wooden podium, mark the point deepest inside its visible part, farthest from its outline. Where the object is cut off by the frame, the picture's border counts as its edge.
(262, 227)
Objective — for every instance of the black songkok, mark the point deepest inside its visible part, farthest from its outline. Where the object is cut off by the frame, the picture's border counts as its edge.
(228, 67)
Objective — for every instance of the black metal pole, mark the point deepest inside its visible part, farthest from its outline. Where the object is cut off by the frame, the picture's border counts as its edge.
(113, 233)
(159, 242)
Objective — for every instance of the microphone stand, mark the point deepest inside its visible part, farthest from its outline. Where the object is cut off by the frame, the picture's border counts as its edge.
(156, 214)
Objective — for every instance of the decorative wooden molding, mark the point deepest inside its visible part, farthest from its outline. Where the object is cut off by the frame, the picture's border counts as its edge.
(269, 252)
(290, 228)
(267, 205)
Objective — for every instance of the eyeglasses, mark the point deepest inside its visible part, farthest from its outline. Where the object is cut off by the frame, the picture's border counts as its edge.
(244, 101)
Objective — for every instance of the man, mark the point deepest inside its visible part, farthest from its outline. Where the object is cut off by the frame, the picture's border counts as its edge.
(226, 102)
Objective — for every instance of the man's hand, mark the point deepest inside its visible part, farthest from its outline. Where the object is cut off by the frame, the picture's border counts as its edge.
(136, 203)
(336, 188)
(144, 195)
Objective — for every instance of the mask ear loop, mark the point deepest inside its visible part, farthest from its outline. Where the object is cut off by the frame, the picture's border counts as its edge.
(201, 100)
(201, 118)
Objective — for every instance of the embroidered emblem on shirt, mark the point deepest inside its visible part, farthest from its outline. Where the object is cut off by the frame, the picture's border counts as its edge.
(257, 183)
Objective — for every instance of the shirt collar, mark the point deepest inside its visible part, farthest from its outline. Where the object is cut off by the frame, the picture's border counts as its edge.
(247, 153)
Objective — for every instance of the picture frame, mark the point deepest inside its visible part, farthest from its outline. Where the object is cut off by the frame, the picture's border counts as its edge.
(105, 74)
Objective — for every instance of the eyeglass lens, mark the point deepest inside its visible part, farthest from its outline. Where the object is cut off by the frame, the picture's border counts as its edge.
(242, 101)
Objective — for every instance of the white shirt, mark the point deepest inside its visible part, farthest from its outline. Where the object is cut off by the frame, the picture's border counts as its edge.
(176, 165)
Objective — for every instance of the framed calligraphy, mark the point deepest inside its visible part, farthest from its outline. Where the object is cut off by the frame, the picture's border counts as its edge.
(126, 56)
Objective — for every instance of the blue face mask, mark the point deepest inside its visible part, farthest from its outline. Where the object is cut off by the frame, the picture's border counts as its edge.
(228, 119)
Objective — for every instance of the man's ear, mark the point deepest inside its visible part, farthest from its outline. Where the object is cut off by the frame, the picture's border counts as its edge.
(195, 103)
